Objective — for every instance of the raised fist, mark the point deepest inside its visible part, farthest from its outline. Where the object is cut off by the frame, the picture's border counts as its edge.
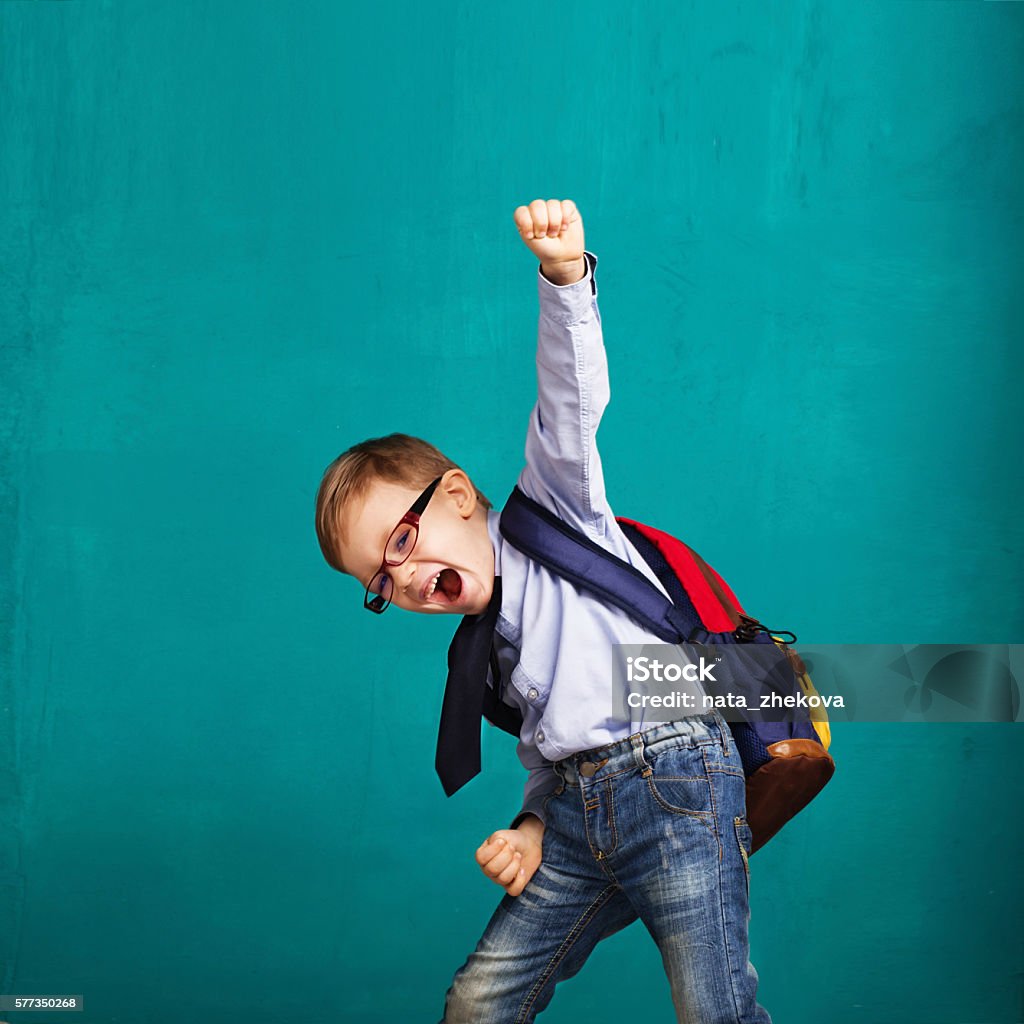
(552, 230)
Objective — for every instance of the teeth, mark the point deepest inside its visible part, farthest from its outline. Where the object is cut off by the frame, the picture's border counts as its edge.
(433, 585)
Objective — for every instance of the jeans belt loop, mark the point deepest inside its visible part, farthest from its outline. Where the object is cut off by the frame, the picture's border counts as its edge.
(721, 727)
(638, 755)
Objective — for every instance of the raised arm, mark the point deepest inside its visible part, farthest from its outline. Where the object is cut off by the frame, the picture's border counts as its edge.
(563, 468)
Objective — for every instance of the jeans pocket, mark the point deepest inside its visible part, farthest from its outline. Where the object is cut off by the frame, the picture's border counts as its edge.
(678, 780)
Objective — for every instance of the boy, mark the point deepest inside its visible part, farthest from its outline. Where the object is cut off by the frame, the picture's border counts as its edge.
(619, 819)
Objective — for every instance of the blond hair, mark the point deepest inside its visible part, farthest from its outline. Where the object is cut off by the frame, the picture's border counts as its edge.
(396, 458)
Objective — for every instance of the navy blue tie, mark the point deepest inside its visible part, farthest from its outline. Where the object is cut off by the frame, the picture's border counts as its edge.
(466, 696)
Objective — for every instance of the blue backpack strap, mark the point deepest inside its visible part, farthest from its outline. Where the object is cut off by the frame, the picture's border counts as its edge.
(539, 533)
(658, 564)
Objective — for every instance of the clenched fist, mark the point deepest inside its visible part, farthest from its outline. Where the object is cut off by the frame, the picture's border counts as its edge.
(553, 231)
(510, 856)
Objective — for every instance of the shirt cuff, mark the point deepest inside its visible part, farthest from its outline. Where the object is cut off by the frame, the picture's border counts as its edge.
(534, 803)
(534, 806)
(567, 303)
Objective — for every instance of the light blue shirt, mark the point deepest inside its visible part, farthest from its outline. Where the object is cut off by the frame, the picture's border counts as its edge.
(554, 641)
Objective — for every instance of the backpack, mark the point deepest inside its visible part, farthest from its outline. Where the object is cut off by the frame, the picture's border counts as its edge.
(786, 764)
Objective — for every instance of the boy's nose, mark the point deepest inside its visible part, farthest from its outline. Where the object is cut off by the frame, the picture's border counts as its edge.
(405, 576)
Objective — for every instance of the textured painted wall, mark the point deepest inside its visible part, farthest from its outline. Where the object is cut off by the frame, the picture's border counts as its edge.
(237, 238)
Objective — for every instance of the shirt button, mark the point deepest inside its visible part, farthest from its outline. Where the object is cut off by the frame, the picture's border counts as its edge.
(540, 735)
(532, 693)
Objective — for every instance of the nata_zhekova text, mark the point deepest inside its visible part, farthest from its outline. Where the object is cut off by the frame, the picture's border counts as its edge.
(676, 699)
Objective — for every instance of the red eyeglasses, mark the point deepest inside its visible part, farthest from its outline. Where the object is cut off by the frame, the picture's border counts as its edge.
(396, 551)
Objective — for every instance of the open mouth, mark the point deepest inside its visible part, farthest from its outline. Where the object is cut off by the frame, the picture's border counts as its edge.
(444, 587)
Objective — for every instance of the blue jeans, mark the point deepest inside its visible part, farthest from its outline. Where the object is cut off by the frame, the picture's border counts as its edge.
(653, 826)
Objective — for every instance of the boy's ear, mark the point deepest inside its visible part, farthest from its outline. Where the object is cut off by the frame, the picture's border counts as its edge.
(460, 489)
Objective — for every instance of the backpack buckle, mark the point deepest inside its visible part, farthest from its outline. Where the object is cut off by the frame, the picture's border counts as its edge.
(747, 629)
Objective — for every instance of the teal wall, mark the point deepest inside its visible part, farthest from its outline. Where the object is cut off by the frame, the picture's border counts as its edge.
(236, 238)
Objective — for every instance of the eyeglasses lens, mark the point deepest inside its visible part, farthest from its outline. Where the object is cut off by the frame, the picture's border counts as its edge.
(400, 544)
(382, 586)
